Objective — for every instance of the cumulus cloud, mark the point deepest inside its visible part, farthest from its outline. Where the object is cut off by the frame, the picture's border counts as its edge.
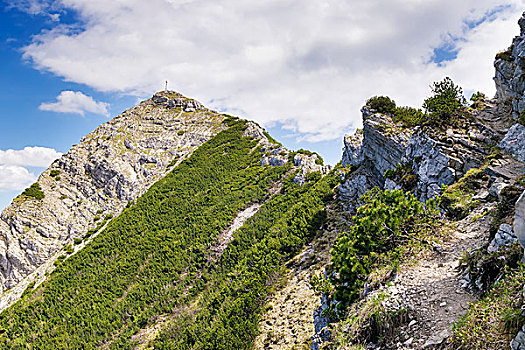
(75, 102)
(15, 178)
(13, 172)
(29, 156)
(309, 64)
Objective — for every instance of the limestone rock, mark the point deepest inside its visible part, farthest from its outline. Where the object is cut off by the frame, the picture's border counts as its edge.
(353, 149)
(384, 144)
(514, 142)
(505, 236)
(496, 188)
(518, 343)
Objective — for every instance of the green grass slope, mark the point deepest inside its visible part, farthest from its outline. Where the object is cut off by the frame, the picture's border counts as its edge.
(152, 262)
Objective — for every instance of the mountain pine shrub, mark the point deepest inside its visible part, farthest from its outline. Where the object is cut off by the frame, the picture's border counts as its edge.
(388, 225)
(382, 104)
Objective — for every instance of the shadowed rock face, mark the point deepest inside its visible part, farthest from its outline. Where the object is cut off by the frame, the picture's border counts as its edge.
(110, 167)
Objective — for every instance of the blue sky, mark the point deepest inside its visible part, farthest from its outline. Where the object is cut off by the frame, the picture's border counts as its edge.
(301, 70)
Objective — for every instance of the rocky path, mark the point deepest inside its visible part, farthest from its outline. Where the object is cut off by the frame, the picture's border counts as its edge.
(433, 288)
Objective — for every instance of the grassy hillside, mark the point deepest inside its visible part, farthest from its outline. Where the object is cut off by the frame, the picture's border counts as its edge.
(152, 263)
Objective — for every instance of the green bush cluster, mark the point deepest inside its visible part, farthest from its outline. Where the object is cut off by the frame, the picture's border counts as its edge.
(384, 226)
(409, 116)
(382, 104)
(34, 191)
(445, 105)
(55, 174)
(505, 55)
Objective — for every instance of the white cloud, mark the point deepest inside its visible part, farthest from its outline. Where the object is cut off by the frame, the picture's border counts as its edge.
(308, 64)
(13, 163)
(35, 7)
(29, 156)
(75, 102)
(14, 177)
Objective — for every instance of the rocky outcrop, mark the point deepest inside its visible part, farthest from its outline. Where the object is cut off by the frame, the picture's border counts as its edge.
(510, 73)
(370, 152)
(352, 150)
(98, 177)
(435, 160)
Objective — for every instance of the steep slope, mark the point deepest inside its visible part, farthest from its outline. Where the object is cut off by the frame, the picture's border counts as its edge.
(171, 271)
(99, 176)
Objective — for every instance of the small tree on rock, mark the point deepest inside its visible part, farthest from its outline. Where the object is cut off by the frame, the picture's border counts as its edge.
(446, 102)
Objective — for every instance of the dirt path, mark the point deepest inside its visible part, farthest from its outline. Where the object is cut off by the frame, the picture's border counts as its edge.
(433, 289)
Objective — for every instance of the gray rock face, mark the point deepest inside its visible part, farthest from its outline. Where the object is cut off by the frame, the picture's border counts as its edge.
(383, 145)
(505, 236)
(374, 150)
(518, 343)
(519, 219)
(353, 149)
(432, 165)
(111, 166)
(514, 142)
(510, 73)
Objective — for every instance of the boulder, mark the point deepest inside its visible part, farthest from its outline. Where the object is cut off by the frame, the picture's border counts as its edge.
(514, 142)
(505, 236)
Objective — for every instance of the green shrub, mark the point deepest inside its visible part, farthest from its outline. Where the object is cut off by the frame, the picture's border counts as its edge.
(387, 223)
(403, 175)
(382, 104)
(77, 240)
(54, 173)
(34, 191)
(409, 116)
(447, 101)
(180, 132)
(478, 96)
(68, 249)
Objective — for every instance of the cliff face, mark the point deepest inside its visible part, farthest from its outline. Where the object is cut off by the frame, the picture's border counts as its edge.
(510, 73)
(436, 160)
(99, 176)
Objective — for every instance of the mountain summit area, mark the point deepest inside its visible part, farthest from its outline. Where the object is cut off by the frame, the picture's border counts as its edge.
(173, 226)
